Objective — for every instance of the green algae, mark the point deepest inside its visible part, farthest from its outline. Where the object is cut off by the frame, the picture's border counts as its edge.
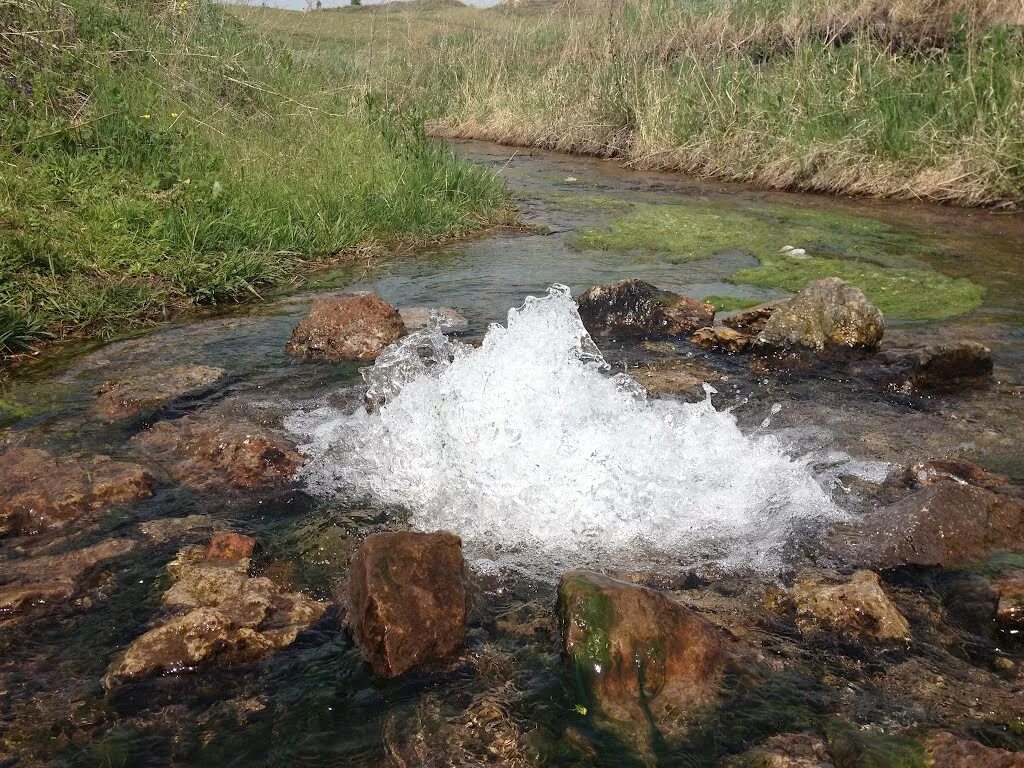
(583, 203)
(870, 254)
(730, 303)
(855, 748)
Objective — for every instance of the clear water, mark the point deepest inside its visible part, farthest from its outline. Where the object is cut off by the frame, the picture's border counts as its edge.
(505, 701)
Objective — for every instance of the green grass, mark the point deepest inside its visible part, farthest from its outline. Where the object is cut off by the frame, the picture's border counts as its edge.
(158, 155)
(848, 96)
(865, 252)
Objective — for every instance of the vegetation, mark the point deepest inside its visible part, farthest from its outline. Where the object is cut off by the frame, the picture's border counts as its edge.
(158, 155)
(917, 99)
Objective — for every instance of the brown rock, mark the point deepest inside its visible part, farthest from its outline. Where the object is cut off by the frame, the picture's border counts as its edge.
(233, 547)
(53, 578)
(121, 398)
(636, 308)
(41, 491)
(680, 376)
(827, 315)
(637, 655)
(204, 452)
(230, 618)
(787, 750)
(1009, 590)
(753, 320)
(407, 594)
(341, 328)
(858, 607)
(936, 366)
(945, 750)
(721, 337)
(958, 470)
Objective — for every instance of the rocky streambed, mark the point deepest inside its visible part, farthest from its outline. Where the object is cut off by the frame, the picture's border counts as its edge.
(194, 571)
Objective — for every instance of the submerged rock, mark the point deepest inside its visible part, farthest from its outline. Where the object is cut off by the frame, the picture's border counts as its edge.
(753, 320)
(936, 366)
(945, 750)
(682, 377)
(209, 451)
(229, 618)
(638, 657)
(787, 750)
(40, 491)
(827, 315)
(1009, 591)
(230, 547)
(721, 337)
(416, 318)
(53, 578)
(858, 607)
(407, 599)
(121, 398)
(343, 328)
(636, 308)
(958, 470)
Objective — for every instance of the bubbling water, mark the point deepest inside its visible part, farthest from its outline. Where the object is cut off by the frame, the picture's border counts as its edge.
(529, 450)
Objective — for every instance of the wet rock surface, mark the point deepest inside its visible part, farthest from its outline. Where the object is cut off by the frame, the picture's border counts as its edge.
(722, 338)
(636, 308)
(149, 389)
(753, 320)
(345, 328)
(857, 607)
(225, 616)
(787, 750)
(946, 750)
(417, 318)
(42, 491)
(210, 451)
(407, 599)
(638, 658)
(827, 315)
(936, 366)
(680, 377)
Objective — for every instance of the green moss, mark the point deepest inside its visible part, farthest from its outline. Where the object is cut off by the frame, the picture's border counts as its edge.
(855, 748)
(730, 303)
(582, 203)
(912, 294)
(865, 252)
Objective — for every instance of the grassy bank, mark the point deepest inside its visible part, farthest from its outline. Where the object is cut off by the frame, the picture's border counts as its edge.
(157, 155)
(911, 99)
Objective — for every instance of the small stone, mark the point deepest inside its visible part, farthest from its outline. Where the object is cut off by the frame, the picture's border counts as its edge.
(753, 320)
(233, 547)
(858, 607)
(354, 327)
(722, 338)
(416, 318)
(827, 315)
(121, 398)
(1009, 590)
(636, 308)
(407, 599)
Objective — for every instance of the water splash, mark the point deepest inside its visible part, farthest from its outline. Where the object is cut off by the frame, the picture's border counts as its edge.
(528, 449)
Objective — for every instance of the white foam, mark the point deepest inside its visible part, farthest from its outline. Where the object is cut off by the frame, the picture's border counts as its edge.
(530, 451)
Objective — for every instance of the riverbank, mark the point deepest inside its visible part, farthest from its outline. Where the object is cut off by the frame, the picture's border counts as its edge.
(919, 101)
(160, 156)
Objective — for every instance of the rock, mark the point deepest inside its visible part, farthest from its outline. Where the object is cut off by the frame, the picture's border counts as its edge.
(936, 366)
(827, 315)
(944, 523)
(1009, 613)
(407, 599)
(232, 547)
(344, 328)
(945, 750)
(41, 491)
(721, 337)
(638, 656)
(416, 318)
(53, 578)
(753, 320)
(118, 399)
(204, 452)
(636, 308)
(858, 607)
(228, 618)
(787, 750)
(164, 529)
(681, 376)
(958, 470)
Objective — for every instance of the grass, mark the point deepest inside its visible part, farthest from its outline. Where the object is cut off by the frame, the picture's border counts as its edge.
(157, 155)
(915, 99)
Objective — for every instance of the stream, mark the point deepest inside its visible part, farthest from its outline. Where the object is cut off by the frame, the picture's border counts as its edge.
(718, 494)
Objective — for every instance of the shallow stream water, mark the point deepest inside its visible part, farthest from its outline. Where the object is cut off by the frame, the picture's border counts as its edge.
(506, 699)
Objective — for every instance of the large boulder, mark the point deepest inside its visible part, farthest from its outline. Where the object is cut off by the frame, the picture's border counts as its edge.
(40, 491)
(636, 308)
(346, 328)
(936, 366)
(827, 315)
(638, 657)
(121, 398)
(204, 452)
(857, 607)
(407, 599)
(223, 616)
